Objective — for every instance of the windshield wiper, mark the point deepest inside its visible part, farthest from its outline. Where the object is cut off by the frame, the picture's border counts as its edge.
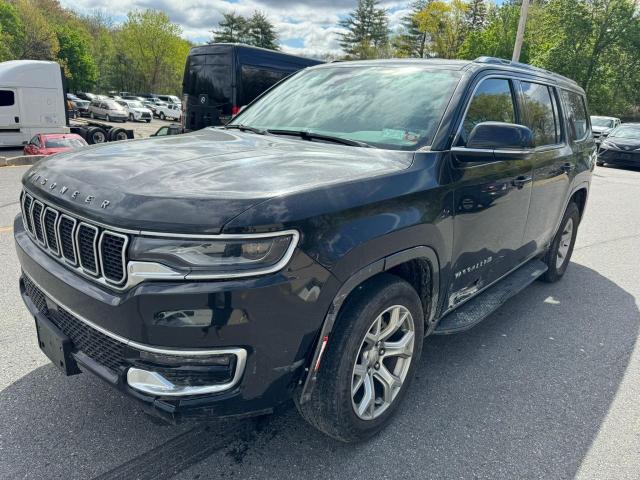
(306, 135)
(247, 128)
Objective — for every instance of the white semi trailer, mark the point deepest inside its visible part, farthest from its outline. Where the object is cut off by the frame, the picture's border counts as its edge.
(32, 101)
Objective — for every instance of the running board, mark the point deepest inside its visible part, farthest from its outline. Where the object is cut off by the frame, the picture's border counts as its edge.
(477, 309)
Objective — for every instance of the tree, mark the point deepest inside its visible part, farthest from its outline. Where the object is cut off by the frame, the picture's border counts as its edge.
(233, 28)
(444, 23)
(367, 31)
(40, 41)
(411, 42)
(476, 15)
(11, 31)
(150, 53)
(75, 57)
(261, 32)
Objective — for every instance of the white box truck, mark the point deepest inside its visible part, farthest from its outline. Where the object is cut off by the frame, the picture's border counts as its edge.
(32, 101)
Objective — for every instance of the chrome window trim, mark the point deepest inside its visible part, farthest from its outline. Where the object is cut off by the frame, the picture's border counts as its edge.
(55, 230)
(95, 249)
(73, 239)
(42, 242)
(123, 256)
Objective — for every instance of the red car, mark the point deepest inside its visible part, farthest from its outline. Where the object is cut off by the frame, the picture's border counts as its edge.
(50, 143)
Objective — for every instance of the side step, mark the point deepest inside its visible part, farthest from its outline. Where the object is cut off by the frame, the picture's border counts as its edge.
(477, 309)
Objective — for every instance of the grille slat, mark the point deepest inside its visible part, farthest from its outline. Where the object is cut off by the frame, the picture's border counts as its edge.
(86, 240)
(36, 218)
(98, 252)
(50, 219)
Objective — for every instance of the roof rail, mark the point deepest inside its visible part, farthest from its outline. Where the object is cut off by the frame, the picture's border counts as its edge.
(523, 66)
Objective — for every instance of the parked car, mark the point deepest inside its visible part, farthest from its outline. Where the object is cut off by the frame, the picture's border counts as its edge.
(135, 98)
(109, 110)
(137, 111)
(221, 78)
(306, 249)
(602, 126)
(170, 99)
(170, 111)
(86, 96)
(50, 143)
(621, 147)
(173, 129)
(82, 107)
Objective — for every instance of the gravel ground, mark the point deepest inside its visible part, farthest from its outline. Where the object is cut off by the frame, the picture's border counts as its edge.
(547, 388)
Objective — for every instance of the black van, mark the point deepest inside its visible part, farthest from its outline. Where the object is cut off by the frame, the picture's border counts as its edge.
(221, 78)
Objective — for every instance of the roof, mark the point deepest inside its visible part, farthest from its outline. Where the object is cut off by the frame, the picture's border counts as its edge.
(605, 117)
(202, 49)
(30, 73)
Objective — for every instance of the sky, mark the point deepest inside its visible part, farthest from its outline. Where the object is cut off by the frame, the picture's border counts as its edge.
(306, 28)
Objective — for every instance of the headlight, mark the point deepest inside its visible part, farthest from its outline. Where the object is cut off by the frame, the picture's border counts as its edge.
(220, 256)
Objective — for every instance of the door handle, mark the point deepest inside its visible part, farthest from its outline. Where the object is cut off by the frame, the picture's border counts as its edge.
(521, 181)
(566, 167)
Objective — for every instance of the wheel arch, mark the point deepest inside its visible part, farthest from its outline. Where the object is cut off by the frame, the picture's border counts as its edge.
(420, 266)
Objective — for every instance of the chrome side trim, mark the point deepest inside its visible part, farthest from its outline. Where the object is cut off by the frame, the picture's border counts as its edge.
(123, 255)
(95, 248)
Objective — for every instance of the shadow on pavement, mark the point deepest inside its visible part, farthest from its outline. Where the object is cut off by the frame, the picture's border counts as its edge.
(522, 395)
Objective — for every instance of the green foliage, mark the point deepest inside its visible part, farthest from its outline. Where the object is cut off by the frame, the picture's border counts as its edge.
(256, 30)
(411, 42)
(11, 31)
(367, 31)
(75, 57)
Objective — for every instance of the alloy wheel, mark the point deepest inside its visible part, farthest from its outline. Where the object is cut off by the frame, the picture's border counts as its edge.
(565, 243)
(382, 362)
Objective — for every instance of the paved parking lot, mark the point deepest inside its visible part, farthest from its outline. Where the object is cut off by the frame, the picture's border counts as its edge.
(547, 387)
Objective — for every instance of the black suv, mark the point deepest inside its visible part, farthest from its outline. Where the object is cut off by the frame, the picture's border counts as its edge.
(304, 250)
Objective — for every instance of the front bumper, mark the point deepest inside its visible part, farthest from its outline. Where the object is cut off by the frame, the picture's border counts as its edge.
(274, 319)
(619, 157)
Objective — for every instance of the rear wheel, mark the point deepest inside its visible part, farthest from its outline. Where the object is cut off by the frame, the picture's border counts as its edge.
(96, 135)
(369, 361)
(162, 116)
(559, 254)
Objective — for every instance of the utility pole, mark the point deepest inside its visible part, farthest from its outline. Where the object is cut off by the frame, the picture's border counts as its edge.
(524, 11)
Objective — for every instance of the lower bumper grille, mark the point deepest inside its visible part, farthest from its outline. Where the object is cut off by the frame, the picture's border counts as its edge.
(100, 347)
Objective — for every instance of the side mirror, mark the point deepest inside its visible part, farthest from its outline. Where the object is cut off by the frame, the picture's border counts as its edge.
(500, 136)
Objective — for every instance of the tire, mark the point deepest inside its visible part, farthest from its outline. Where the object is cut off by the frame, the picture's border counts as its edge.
(117, 134)
(148, 120)
(92, 115)
(97, 135)
(332, 407)
(599, 163)
(559, 254)
(107, 118)
(162, 116)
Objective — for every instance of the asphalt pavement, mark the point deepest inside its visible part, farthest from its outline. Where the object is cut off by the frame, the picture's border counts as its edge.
(548, 387)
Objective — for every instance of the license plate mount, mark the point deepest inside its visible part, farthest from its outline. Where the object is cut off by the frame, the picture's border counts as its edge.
(56, 346)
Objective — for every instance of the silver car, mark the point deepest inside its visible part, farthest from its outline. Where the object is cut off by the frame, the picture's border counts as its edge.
(109, 110)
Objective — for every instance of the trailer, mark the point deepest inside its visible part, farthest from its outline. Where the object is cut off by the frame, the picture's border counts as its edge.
(32, 101)
(97, 132)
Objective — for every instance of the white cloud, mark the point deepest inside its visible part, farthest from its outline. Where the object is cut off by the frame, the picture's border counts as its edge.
(305, 28)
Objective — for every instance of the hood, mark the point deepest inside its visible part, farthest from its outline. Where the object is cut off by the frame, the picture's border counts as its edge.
(601, 129)
(139, 110)
(195, 183)
(624, 143)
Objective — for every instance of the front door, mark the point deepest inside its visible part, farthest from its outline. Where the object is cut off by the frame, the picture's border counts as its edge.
(492, 197)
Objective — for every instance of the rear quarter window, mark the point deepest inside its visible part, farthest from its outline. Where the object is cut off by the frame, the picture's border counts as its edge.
(539, 113)
(576, 115)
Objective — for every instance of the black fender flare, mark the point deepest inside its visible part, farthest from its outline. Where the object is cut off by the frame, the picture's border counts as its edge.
(310, 375)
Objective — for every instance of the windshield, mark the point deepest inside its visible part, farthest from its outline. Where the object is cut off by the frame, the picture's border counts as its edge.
(631, 132)
(64, 143)
(135, 104)
(395, 107)
(602, 122)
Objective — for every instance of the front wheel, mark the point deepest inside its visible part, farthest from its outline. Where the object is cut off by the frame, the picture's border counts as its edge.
(162, 116)
(559, 254)
(369, 361)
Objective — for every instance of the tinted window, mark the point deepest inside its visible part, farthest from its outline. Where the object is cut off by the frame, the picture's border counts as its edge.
(209, 75)
(576, 113)
(35, 141)
(163, 131)
(7, 98)
(256, 80)
(538, 113)
(491, 102)
(64, 142)
(388, 106)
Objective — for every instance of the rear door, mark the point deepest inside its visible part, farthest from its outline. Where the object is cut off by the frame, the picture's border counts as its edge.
(491, 197)
(554, 160)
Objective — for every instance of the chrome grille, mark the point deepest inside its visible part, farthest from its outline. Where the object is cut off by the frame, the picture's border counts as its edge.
(92, 250)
